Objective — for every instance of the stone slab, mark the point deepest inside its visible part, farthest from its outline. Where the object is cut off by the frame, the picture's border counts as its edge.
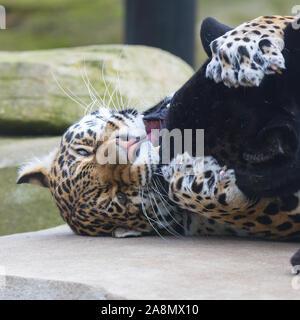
(57, 264)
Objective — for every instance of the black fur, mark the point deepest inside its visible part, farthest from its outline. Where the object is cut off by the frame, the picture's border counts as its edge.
(159, 111)
(237, 120)
(295, 260)
(245, 121)
(211, 29)
(291, 51)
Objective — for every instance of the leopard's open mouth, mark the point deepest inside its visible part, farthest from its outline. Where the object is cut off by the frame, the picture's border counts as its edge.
(154, 119)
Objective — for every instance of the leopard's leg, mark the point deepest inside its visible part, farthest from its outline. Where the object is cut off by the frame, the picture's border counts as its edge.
(201, 186)
(244, 55)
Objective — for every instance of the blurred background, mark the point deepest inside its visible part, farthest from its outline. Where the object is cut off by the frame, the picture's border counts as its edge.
(34, 112)
(47, 24)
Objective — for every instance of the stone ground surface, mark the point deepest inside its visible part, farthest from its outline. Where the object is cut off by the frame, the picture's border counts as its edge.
(56, 264)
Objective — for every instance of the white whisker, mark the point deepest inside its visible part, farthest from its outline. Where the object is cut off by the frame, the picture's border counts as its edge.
(146, 215)
(167, 205)
(80, 102)
(167, 225)
(107, 90)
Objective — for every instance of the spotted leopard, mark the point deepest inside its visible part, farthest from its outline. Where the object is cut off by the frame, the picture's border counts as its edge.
(98, 195)
(135, 198)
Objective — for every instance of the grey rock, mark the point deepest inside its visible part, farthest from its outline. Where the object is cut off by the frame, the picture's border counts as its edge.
(44, 92)
(57, 264)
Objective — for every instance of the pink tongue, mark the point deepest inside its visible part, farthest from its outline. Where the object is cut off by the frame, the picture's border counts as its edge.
(153, 134)
(149, 136)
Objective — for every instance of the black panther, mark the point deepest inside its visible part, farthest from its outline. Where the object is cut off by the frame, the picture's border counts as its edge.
(254, 130)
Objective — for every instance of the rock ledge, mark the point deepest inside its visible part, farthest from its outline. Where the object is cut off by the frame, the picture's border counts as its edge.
(56, 264)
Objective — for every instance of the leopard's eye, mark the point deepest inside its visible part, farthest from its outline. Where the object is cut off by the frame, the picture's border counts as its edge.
(121, 198)
(83, 152)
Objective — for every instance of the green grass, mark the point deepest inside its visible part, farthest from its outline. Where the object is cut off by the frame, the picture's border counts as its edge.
(61, 23)
(44, 24)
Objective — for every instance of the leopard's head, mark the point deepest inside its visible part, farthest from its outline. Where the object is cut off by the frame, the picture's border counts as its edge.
(99, 176)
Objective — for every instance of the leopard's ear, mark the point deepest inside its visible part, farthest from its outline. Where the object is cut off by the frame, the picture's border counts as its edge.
(37, 171)
(211, 29)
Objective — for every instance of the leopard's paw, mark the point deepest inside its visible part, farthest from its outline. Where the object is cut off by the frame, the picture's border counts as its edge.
(181, 164)
(244, 56)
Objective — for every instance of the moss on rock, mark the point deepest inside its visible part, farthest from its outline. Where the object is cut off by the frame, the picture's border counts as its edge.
(44, 92)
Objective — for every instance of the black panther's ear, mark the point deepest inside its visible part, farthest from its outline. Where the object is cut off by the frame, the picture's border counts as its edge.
(292, 36)
(211, 29)
(291, 51)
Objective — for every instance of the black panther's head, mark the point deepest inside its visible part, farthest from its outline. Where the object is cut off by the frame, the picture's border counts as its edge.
(255, 131)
